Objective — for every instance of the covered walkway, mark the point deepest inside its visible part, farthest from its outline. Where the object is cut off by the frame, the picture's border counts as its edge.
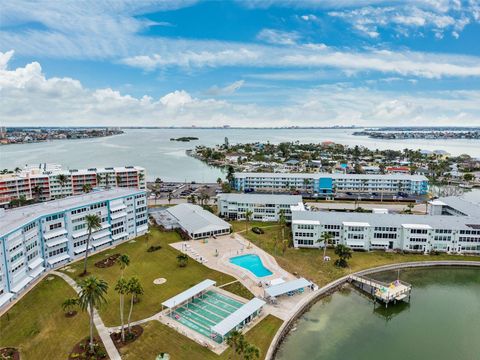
(288, 287)
(188, 295)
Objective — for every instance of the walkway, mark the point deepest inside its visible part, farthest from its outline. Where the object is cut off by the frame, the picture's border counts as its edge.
(102, 330)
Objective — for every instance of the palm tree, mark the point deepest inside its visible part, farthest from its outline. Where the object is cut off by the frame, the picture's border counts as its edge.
(118, 178)
(343, 252)
(251, 352)
(99, 179)
(122, 288)
(219, 181)
(169, 197)
(141, 177)
(62, 179)
(236, 341)
(93, 223)
(182, 260)
(86, 188)
(192, 199)
(37, 192)
(69, 304)
(327, 239)
(248, 216)
(134, 289)
(17, 170)
(124, 261)
(92, 294)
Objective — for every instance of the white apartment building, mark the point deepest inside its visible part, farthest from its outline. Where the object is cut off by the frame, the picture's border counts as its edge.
(323, 183)
(49, 181)
(264, 207)
(47, 235)
(415, 233)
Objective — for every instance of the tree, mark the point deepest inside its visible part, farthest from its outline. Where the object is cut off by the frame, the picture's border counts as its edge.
(123, 261)
(468, 177)
(219, 181)
(37, 192)
(92, 294)
(69, 304)
(93, 223)
(236, 341)
(134, 289)
(344, 253)
(122, 288)
(62, 179)
(230, 174)
(86, 188)
(251, 352)
(248, 216)
(169, 197)
(182, 260)
(327, 239)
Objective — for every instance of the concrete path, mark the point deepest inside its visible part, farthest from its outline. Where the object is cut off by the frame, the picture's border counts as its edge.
(102, 330)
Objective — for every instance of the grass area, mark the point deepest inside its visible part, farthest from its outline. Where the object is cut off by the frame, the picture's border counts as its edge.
(148, 266)
(309, 262)
(37, 325)
(239, 289)
(159, 338)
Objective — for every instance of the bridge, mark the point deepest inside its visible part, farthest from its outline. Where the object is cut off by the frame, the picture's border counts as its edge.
(385, 292)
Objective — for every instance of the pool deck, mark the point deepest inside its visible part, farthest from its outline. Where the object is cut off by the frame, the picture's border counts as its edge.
(232, 245)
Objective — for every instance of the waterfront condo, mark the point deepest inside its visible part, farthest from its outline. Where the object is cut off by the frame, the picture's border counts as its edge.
(48, 181)
(48, 235)
(323, 183)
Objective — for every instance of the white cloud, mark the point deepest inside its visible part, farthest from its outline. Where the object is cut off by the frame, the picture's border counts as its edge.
(226, 90)
(278, 37)
(30, 98)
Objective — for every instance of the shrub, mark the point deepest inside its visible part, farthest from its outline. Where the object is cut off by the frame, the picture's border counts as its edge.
(154, 248)
(257, 230)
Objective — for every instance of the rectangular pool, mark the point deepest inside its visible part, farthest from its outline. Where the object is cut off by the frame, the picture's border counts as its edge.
(252, 263)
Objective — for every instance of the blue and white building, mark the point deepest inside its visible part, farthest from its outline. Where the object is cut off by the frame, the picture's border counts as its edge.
(36, 238)
(453, 229)
(324, 183)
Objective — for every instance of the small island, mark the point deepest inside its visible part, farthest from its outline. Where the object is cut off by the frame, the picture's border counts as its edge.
(184, 138)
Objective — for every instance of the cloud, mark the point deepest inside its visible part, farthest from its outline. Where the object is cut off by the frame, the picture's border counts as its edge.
(226, 90)
(278, 37)
(28, 97)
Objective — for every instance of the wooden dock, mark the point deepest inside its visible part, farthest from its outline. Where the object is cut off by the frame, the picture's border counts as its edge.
(384, 292)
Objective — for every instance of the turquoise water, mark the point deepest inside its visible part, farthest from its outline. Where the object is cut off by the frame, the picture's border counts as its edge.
(442, 322)
(252, 263)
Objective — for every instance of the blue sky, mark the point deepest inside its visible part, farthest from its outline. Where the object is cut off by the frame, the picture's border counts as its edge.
(242, 63)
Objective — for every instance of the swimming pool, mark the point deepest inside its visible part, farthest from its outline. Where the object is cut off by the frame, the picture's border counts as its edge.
(252, 263)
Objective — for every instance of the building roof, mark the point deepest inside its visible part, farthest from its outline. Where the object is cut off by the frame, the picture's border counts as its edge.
(280, 289)
(261, 198)
(387, 220)
(333, 176)
(237, 317)
(459, 204)
(15, 218)
(194, 219)
(188, 294)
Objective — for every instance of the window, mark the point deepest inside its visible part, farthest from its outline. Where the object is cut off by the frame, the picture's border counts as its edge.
(55, 226)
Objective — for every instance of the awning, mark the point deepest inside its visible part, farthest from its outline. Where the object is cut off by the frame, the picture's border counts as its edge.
(142, 228)
(35, 263)
(54, 233)
(118, 215)
(101, 234)
(81, 249)
(117, 207)
(84, 232)
(4, 298)
(187, 294)
(20, 285)
(286, 287)
(101, 242)
(57, 259)
(238, 316)
(37, 271)
(119, 235)
(56, 242)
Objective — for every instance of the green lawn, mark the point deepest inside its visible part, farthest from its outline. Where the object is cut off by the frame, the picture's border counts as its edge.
(309, 263)
(158, 338)
(148, 266)
(37, 325)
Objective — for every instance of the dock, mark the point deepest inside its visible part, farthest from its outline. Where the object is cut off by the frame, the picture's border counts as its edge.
(384, 292)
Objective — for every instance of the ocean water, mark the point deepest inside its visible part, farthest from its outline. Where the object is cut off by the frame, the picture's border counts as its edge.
(442, 322)
(152, 149)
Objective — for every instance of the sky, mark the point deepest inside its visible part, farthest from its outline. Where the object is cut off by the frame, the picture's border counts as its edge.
(240, 63)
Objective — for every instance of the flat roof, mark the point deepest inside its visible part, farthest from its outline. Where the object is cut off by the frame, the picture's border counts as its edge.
(386, 220)
(467, 207)
(195, 219)
(238, 316)
(15, 218)
(286, 287)
(261, 198)
(355, 223)
(333, 176)
(188, 294)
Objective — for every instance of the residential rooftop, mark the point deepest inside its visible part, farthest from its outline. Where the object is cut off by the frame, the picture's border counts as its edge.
(14, 218)
(333, 176)
(195, 219)
(459, 204)
(261, 198)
